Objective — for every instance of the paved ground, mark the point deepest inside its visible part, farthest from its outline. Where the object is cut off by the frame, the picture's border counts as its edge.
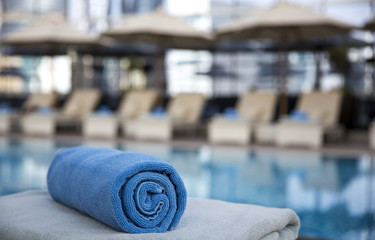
(348, 148)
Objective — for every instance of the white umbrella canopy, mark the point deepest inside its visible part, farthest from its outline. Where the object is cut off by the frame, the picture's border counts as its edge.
(284, 22)
(370, 25)
(49, 30)
(50, 33)
(15, 16)
(160, 29)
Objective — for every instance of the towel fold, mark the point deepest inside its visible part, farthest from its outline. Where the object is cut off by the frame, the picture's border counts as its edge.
(131, 192)
(34, 215)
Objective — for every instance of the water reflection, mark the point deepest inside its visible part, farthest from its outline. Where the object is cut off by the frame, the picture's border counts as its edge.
(334, 196)
(24, 165)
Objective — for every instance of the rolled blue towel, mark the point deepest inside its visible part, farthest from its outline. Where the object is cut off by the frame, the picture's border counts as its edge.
(131, 192)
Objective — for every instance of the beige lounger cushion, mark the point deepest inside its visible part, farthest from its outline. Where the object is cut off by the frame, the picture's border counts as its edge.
(81, 103)
(258, 106)
(186, 107)
(38, 100)
(324, 107)
(179, 114)
(136, 103)
(252, 107)
(131, 111)
(254, 114)
(78, 106)
(184, 112)
(33, 102)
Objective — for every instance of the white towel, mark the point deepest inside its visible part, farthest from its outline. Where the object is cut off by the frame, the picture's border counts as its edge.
(34, 215)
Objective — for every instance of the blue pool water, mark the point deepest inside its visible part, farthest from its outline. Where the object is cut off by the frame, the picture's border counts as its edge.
(333, 195)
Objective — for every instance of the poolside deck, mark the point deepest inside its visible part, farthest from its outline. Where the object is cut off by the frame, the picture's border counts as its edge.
(356, 143)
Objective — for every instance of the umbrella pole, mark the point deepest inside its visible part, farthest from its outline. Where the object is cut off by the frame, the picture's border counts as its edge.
(213, 76)
(318, 73)
(373, 62)
(160, 70)
(283, 107)
(52, 68)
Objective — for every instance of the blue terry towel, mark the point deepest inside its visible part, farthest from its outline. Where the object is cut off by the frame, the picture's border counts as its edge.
(104, 111)
(5, 108)
(230, 113)
(131, 192)
(158, 112)
(44, 110)
(299, 115)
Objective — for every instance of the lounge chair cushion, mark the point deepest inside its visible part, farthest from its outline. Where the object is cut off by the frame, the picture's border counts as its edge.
(138, 102)
(38, 100)
(319, 115)
(34, 215)
(254, 114)
(258, 106)
(186, 107)
(180, 113)
(81, 103)
(73, 110)
(322, 106)
(131, 111)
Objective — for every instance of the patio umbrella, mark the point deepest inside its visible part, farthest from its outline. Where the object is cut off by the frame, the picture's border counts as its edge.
(49, 30)
(160, 29)
(50, 33)
(284, 22)
(370, 26)
(318, 46)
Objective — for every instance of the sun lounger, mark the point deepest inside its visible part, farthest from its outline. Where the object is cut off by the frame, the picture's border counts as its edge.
(6, 118)
(322, 114)
(39, 100)
(78, 106)
(33, 103)
(135, 104)
(183, 113)
(252, 109)
(372, 136)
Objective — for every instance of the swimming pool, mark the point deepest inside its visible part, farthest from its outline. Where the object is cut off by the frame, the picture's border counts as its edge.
(333, 195)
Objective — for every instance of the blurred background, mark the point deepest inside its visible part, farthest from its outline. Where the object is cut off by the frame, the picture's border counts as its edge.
(221, 72)
(215, 76)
